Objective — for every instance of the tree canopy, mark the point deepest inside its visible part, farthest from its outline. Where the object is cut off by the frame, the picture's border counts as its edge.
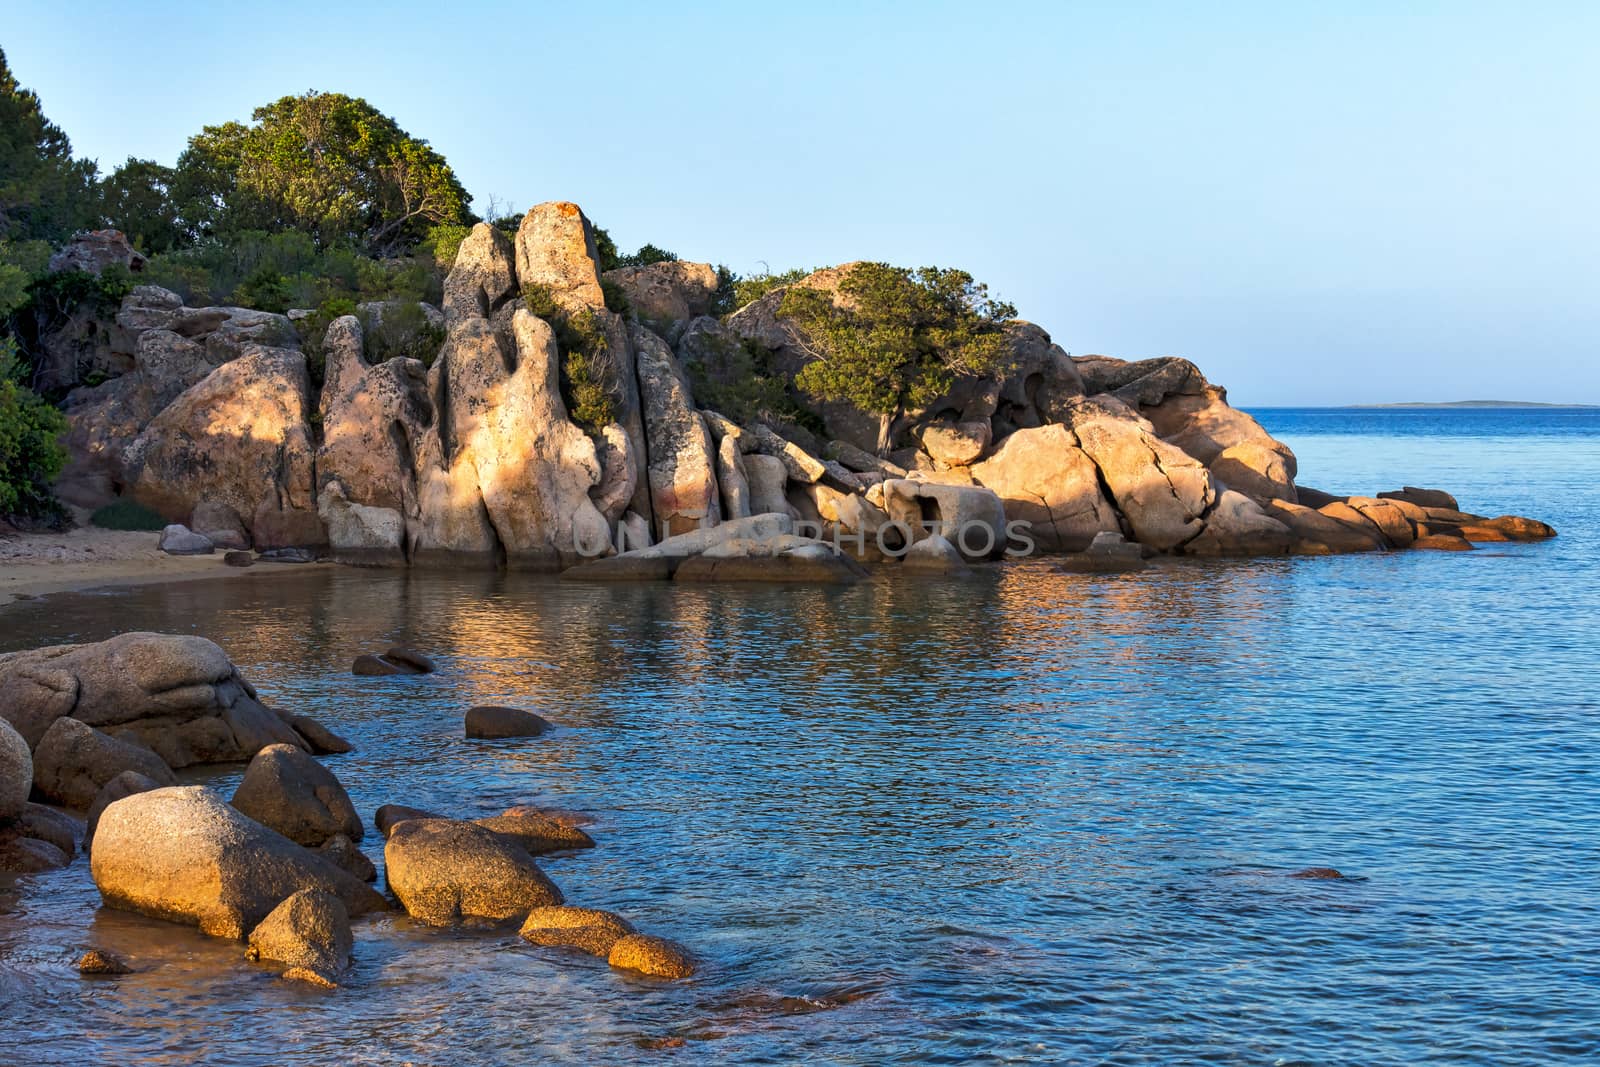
(44, 192)
(325, 164)
(896, 339)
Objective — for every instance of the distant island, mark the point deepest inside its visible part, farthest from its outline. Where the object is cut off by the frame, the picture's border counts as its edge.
(1473, 404)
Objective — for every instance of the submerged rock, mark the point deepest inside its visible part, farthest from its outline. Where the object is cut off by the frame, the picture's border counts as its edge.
(99, 961)
(16, 771)
(653, 956)
(183, 855)
(496, 722)
(586, 929)
(536, 831)
(446, 872)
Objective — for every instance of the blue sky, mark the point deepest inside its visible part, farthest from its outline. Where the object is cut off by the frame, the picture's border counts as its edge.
(1337, 203)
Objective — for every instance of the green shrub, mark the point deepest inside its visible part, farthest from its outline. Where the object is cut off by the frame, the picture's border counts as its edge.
(127, 515)
(30, 455)
(403, 330)
(616, 299)
(265, 290)
(539, 300)
(749, 290)
(314, 331)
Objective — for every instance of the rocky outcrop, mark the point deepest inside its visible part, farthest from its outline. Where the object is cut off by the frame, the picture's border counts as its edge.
(1044, 479)
(183, 855)
(682, 459)
(286, 790)
(664, 297)
(476, 461)
(178, 696)
(372, 418)
(92, 251)
(239, 437)
(504, 475)
(446, 872)
(556, 251)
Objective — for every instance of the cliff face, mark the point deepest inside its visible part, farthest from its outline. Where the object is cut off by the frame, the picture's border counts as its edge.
(477, 460)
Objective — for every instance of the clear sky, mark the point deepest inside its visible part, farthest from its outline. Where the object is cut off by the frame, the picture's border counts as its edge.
(1333, 203)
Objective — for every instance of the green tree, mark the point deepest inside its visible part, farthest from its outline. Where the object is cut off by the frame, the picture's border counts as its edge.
(30, 457)
(896, 339)
(137, 199)
(45, 194)
(325, 164)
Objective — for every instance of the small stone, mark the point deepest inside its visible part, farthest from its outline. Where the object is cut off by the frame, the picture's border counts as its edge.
(498, 722)
(345, 855)
(1316, 873)
(99, 961)
(238, 559)
(653, 956)
(389, 816)
(369, 666)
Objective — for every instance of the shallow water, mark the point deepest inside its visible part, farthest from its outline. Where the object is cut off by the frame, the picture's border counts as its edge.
(1030, 817)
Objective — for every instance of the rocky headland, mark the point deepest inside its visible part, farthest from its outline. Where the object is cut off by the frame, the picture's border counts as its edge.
(212, 418)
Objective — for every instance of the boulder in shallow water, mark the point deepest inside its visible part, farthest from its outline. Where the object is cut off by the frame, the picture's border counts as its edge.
(410, 657)
(447, 872)
(653, 956)
(28, 855)
(536, 831)
(309, 931)
(74, 760)
(1442, 543)
(288, 791)
(16, 771)
(496, 722)
(47, 824)
(934, 556)
(586, 929)
(183, 855)
(125, 784)
(177, 695)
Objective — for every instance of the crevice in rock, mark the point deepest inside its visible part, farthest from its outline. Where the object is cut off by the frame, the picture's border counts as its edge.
(1106, 492)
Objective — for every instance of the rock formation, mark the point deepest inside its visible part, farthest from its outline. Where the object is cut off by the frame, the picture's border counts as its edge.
(476, 460)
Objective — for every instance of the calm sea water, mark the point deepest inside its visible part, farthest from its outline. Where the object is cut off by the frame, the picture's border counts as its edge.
(1029, 818)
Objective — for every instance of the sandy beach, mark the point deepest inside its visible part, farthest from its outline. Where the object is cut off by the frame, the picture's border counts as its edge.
(33, 565)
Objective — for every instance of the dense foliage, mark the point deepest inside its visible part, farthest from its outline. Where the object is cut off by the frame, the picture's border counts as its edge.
(587, 384)
(44, 192)
(126, 515)
(30, 457)
(896, 339)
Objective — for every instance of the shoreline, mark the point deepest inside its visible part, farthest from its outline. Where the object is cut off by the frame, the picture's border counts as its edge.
(35, 565)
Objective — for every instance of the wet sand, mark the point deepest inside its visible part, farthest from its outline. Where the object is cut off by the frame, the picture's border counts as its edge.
(34, 565)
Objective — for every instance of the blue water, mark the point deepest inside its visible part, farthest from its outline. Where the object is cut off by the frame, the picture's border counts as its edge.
(1029, 818)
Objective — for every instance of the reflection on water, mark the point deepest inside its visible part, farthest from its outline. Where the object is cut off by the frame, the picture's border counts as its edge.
(1031, 817)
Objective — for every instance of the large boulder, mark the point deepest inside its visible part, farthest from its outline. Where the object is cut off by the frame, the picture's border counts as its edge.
(445, 872)
(16, 771)
(240, 437)
(310, 933)
(177, 695)
(1237, 526)
(682, 459)
(288, 791)
(1161, 491)
(125, 784)
(92, 251)
(73, 761)
(769, 482)
(732, 479)
(503, 471)
(556, 250)
(183, 855)
(1045, 480)
(491, 722)
(666, 296)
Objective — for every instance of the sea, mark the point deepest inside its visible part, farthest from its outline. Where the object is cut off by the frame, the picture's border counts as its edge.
(1028, 817)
